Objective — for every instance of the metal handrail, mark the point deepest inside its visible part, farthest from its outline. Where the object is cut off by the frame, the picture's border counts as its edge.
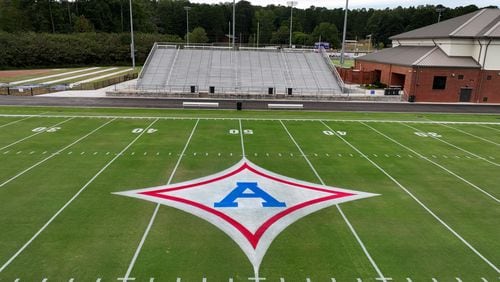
(148, 59)
(333, 69)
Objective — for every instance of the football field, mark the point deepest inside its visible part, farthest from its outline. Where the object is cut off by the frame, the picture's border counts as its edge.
(433, 213)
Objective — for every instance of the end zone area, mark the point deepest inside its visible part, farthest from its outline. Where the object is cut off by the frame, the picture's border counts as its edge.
(436, 216)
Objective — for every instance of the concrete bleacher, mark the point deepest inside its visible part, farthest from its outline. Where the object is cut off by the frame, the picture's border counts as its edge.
(169, 69)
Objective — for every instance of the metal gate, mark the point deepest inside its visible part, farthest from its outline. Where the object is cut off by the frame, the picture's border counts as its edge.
(465, 94)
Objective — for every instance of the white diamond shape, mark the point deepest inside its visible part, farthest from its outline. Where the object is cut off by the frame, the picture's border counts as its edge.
(252, 226)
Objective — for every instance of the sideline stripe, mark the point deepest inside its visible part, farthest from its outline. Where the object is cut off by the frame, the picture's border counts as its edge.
(51, 76)
(454, 146)
(417, 200)
(262, 119)
(472, 135)
(6, 264)
(434, 163)
(379, 273)
(33, 135)
(153, 216)
(99, 77)
(54, 154)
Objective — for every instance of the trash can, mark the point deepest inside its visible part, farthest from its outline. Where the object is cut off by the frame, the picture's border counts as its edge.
(289, 91)
(239, 106)
(211, 89)
(270, 91)
(411, 99)
(193, 89)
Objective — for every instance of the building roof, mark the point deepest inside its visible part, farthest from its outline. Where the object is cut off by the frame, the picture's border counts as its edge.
(422, 56)
(478, 24)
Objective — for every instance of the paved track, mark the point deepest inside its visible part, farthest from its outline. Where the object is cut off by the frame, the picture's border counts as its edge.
(251, 104)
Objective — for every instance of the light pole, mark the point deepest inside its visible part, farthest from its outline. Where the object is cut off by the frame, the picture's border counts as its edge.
(132, 46)
(258, 33)
(291, 4)
(234, 21)
(187, 24)
(439, 10)
(344, 33)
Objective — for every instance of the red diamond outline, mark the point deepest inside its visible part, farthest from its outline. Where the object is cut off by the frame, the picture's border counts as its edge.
(253, 238)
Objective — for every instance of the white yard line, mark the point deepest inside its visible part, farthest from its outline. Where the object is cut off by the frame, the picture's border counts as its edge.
(78, 76)
(99, 77)
(51, 76)
(416, 200)
(472, 135)
(6, 264)
(241, 138)
(13, 122)
(353, 231)
(434, 163)
(34, 134)
(454, 146)
(260, 119)
(492, 128)
(155, 212)
(53, 155)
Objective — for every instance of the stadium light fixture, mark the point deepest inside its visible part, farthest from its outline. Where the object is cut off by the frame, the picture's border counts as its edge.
(344, 33)
(187, 8)
(291, 4)
(132, 45)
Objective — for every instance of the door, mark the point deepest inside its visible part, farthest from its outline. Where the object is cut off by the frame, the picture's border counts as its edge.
(465, 94)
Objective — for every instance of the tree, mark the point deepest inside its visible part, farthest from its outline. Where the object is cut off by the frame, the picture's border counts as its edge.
(82, 24)
(328, 33)
(198, 35)
(281, 36)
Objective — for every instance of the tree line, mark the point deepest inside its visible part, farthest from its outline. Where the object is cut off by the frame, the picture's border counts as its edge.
(168, 17)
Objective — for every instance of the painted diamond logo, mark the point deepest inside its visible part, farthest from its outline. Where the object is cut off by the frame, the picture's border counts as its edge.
(250, 204)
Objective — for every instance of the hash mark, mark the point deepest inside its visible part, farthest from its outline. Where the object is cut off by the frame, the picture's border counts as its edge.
(375, 155)
(458, 279)
(95, 153)
(82, 153)
(359, 280)
(107, 153)
(351, 155)
(411, 156)
(19, 152)
(206, 154)
(145, 153)
(327, 154)
(308, 279)
(71, 280)
(44, 280)
(169, 153)
(98, 280)
(386, 155)
(468, 157)
(491, 157)
(408, 279)
(340, 155)
(6, 152)
(484, 279)
(44, 152)
(445, 156)
(384, 278)
(133, 153)
(315, 154)
(178, 279)
(398, 156)
(282, 279)
(157, 153)
(434, 156)
(152, 279)
(333, 280)
(204, 279)
(279, 154)
(32, 152)
(230, 279)
(434, 279)
(17, 280)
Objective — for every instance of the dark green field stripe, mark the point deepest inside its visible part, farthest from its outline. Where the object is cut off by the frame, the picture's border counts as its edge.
(450, 199)
(182, 245)
(25, 155)
(319, 246)
(43, 191)
(478, 174)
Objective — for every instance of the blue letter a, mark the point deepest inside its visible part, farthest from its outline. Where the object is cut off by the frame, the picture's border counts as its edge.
(239, 192)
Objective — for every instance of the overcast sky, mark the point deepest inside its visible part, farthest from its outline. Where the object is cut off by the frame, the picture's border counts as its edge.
(377, 4)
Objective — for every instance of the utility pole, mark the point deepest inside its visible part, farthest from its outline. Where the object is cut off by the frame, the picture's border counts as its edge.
(187, 24)
(132, 45)
(439, 10)
(51, 17)
(229, 37)
(344, 33)
(291, 4)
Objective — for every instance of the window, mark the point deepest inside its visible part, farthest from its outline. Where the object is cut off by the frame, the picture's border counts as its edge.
(460, 76)
(439, 82)
(488, 77)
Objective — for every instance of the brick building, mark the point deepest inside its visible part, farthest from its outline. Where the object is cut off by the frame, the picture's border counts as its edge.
(457, 60)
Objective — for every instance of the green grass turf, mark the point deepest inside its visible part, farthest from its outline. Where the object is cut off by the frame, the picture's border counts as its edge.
(97, 234)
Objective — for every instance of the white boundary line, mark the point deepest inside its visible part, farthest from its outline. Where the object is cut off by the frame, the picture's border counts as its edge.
(78, 76)
(153, 216)
(454, 146)
(261, 119)
(416, 200)
(360, 242)
(54, 154)
(434, 163)
(33, 135)
(51, 76)
(242, 142)
(99, 77)
(472, 135)
(6, 264)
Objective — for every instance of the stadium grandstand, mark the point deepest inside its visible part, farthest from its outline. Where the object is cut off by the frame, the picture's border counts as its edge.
(222, 70)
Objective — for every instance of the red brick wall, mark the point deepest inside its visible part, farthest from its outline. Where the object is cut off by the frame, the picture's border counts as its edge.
(489, 88)
(418, 82)
(425, 77)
